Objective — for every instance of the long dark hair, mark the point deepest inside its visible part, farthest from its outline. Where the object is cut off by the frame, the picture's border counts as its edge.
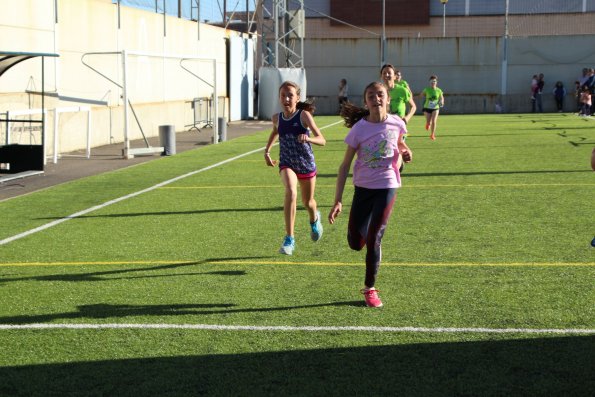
(307, 105)
(351, 113)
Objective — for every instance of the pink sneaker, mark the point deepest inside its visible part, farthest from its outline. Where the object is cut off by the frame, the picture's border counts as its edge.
(371, 297)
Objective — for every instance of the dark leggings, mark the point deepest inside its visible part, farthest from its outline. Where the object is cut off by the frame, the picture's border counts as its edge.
(369, 215)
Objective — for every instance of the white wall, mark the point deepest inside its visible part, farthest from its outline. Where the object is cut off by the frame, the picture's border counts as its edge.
(469, 69)
(159, 88)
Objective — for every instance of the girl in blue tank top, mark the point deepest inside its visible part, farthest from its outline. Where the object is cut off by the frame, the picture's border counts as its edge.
(296, 130)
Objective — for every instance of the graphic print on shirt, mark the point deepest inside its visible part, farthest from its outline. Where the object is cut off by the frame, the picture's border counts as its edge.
(379, 150)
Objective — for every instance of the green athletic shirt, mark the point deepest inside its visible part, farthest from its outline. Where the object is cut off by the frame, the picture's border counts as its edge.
(432, 96)
(399, 98)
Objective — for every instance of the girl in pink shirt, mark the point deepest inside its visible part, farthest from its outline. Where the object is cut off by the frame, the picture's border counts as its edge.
(377, 139)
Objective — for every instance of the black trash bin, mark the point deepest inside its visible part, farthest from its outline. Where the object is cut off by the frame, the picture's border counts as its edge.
(167, 139)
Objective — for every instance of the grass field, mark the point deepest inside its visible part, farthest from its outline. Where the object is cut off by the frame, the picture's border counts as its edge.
(164, 278)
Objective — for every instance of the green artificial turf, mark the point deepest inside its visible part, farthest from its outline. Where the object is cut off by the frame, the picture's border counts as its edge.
(491, 229)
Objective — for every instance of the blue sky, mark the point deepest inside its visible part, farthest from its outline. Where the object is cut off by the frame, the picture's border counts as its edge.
(210, 10)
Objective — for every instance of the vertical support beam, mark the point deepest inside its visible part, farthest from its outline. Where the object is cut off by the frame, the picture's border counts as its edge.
(383, 39)
(125, 99)
(55, 156)
(88, 152)
(504, 67)
(276, 16)
(302, 38)
(215, 105)
(43, 108)
(247, 18)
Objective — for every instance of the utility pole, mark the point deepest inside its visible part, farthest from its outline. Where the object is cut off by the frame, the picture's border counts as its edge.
(444, 17)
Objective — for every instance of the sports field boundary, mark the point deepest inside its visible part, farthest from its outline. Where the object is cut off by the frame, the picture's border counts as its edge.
(138, 193)
(285, 328)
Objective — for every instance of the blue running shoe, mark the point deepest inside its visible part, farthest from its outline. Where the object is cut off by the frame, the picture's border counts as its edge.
(288, 246)
(316, 227)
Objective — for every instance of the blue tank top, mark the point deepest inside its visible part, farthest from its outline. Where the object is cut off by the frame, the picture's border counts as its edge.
(292, 154)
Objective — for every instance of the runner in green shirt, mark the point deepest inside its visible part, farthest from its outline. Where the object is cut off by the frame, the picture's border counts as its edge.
(399, 92)
(400, 96)
(433, 101)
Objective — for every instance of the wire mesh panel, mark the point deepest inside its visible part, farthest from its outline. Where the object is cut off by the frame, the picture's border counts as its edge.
(23, 127)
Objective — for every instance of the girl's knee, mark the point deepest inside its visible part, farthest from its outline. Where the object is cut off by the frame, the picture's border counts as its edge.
(291, 193)
(309, 203)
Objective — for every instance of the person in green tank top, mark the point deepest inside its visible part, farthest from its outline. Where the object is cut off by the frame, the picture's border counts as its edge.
(433, 100)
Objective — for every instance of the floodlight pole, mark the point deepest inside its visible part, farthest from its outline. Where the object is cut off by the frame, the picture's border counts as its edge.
(504, 78)
(444, 17)
(383, 42)
(125, 100)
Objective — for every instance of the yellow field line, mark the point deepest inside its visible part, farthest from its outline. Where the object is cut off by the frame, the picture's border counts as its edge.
(237, 262)
(234, 187)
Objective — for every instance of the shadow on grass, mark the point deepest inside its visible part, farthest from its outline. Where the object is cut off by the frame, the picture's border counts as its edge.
(161, 213)
(104, 310)
(107, 274)
(553, 366)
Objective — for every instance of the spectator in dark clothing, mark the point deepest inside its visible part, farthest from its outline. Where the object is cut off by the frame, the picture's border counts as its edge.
(539, 94)
(559, 94)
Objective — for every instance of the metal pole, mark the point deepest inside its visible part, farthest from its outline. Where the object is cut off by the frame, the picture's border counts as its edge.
(505, 53)
(276, 17)
(303, 22)
(197, 19)
(247, 18)
(43, 108)
(215, 105)
(383, 44)
(443, 19)
(125, 99)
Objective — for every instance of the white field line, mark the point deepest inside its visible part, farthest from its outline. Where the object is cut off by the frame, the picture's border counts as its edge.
(131, 195)
(283, 328)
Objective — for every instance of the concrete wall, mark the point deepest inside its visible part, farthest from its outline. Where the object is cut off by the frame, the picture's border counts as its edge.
(159, 88)
(469, 69)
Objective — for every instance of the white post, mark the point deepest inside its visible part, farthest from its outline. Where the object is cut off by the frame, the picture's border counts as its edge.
(55, 159)
(504, 77)
(88, 134)
(215, 105)
(444, 17)
(125, 99)
(8, 127)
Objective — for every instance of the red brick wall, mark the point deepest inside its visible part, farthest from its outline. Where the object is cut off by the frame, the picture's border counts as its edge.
(369, 12)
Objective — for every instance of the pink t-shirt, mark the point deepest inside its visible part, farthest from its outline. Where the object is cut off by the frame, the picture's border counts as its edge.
(377, 152)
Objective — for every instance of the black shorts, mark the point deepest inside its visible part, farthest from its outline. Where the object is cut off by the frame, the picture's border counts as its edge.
(426, 110)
